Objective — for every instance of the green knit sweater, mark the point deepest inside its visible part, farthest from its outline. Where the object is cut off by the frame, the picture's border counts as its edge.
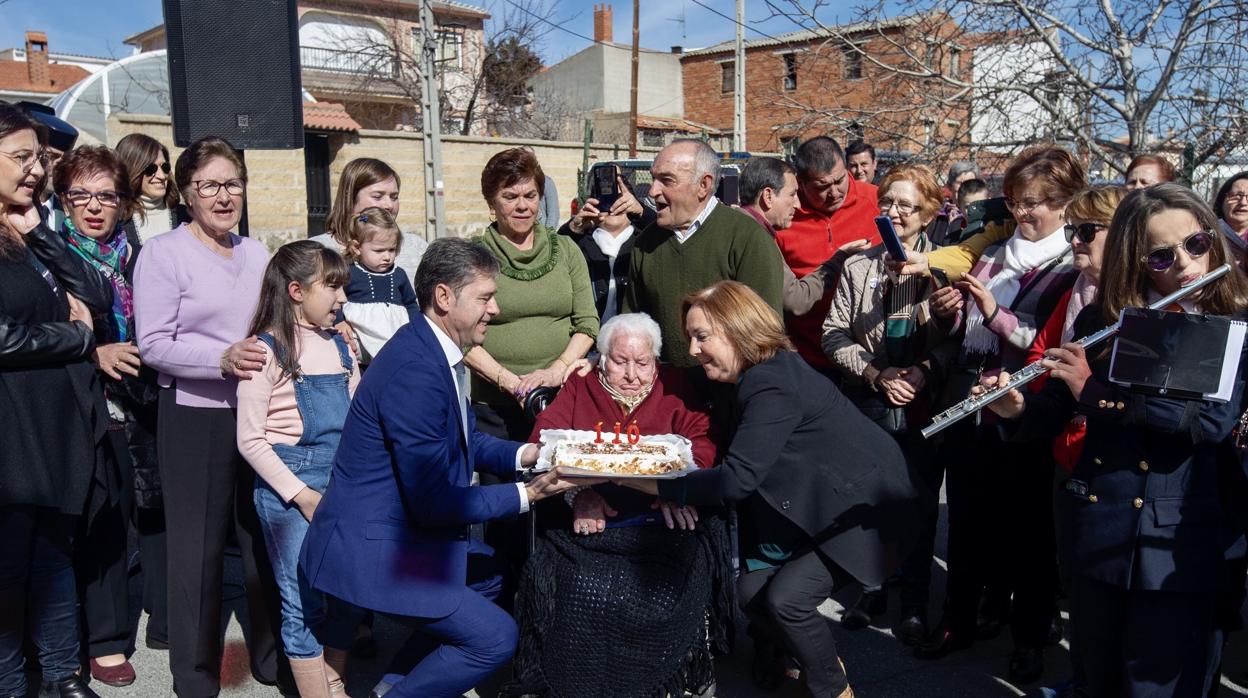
(729, 245)
(544, 297)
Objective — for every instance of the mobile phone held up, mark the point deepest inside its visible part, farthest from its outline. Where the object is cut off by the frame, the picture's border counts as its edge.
(892, 241)
(606, 187)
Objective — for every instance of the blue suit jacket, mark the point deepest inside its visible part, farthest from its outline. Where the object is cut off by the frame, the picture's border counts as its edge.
(391, 533)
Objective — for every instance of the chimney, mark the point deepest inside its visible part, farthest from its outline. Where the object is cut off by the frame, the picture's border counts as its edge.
(37, 59)
(603, 23)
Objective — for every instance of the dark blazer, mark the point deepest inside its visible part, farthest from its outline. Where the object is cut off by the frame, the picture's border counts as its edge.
(818, 461)
(391, 533)
(1142, 507)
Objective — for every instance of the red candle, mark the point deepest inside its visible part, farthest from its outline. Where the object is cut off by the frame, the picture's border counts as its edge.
(598, 429)
(617, 433)
(634, 433)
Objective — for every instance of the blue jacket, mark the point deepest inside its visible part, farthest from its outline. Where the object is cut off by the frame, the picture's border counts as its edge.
(391, 533)
(1144, 508)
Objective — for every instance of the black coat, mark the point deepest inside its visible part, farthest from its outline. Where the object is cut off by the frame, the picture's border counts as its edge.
(600, 267)
(47, 387)
(818, 461)
(1143, 507)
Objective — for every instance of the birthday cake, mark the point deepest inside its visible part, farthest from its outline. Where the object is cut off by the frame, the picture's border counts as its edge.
(645, 457)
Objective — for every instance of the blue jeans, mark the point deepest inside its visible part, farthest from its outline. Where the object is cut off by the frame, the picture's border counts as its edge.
(284, 529)
(37, 594)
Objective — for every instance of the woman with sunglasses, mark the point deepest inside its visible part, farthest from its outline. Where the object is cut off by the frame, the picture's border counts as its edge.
(154, 206)
(196, 288)
(1144, 528)
(1000, 519)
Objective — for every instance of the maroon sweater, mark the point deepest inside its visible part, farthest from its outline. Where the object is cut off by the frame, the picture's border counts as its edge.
(670, 408)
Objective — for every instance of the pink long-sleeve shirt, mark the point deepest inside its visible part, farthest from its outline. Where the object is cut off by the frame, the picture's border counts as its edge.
(190, 304)
(268, 412)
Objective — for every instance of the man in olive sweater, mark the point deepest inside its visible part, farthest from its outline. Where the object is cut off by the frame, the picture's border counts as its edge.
(695, 242)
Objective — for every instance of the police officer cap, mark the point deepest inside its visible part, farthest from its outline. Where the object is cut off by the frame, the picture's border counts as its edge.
(61, 135)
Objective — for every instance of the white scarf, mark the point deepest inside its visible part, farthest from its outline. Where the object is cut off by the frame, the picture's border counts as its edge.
(611, 244)
(1015, 258)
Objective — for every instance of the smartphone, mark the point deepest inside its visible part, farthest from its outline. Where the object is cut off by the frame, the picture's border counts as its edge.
(729, 188)
(939, 278)
(606, 187)
(892, 242)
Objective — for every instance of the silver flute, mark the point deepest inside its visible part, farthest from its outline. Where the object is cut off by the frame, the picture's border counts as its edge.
(1035, 369)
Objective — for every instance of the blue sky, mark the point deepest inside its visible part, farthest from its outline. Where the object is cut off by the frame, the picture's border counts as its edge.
(97, 27)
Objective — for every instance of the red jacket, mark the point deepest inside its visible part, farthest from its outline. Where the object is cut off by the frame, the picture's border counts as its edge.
(1069, 444)
(810, 241)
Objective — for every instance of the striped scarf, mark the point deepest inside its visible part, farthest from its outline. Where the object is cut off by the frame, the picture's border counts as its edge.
(108, 257)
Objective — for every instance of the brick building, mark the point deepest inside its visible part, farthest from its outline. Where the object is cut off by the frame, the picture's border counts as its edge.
(849, 81)
(34, 74)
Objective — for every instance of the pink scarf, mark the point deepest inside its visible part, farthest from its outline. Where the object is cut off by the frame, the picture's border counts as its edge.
(1081, 295)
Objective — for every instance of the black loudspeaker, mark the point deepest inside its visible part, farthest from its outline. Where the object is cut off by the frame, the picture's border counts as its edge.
(234, 72)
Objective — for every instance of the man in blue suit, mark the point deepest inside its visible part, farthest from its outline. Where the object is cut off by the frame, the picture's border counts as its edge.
(391, 533)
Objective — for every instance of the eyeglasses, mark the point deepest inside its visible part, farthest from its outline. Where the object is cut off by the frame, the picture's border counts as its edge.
(905, 208)
(1025, 205)
(82, 197)
(208, 188)
(1237, 196)
(26, 159)
(1196, 245)
(151, 169)
(1085, 232)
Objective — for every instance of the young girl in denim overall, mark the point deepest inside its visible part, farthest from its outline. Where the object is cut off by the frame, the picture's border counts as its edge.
(290, 418)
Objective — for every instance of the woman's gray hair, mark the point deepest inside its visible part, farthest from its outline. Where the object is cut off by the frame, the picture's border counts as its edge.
(958, 169)
(638, 324)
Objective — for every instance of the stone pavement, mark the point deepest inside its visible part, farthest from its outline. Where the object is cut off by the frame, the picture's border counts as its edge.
(878, 666)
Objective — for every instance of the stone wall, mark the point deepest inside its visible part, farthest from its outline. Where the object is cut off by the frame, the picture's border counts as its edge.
(277, 193)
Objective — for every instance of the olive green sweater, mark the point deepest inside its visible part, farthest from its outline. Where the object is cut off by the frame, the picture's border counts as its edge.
(729, 245)
(544, 297)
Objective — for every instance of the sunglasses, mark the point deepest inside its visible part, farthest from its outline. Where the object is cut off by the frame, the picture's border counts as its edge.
(1084, 232)
(1196, 245)
(151, 169)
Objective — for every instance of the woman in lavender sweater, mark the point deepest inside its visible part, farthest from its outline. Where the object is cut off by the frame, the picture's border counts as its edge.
(195, 291)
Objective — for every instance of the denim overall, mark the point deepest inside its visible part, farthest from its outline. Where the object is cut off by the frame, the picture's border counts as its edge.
(323, 401)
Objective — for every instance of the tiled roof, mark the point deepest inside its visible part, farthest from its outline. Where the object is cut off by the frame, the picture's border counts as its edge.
(805, 35)
(662, 123)
(14, 75)
(328, 116)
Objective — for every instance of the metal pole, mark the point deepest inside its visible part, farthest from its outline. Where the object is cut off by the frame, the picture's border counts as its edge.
(738, 101)
(431, 117)
(632, 97)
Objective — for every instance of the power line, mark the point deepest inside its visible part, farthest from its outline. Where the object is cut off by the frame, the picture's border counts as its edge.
(734, 20)
(562, 28)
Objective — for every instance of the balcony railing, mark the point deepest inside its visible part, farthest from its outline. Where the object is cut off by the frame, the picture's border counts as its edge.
(364, 62)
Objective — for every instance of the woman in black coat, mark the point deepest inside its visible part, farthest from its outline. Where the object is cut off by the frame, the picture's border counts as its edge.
(825, 496)
(1146, 529)
(51, 424)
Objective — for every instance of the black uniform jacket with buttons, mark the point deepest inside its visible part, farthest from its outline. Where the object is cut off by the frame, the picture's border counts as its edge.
(813, 457)
(1143, 508)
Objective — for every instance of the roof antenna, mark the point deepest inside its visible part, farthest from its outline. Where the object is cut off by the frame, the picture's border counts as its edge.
(680, 19)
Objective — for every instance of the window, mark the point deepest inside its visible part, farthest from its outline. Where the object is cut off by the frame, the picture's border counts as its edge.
(955, 62)
(652, 138)
(450, 45)
(929, 131)
(790, 71)
(727, 76)
(852, 64)
(788, 145)
(855, 131)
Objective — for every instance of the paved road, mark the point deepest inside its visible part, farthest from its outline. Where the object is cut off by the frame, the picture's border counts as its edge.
(878, 666)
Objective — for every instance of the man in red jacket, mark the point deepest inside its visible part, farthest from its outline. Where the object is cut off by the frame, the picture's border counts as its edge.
(835, 209)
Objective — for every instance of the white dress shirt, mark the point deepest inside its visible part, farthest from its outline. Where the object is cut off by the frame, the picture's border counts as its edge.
(683, 237)
(459, 372)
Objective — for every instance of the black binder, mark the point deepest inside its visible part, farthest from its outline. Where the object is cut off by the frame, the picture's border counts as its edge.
(1178, 355)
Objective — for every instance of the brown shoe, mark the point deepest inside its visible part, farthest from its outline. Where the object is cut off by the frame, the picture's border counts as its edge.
(120, 675)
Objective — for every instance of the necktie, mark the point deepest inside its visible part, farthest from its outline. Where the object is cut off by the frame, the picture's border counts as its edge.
(461, 383)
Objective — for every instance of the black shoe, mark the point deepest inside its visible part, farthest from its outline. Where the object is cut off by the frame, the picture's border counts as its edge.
(1055, 633)
(1026, 665)
(940, 644)
(869, 605)
(156, 644)
(73, 687)
(912, 631)
(987, 627)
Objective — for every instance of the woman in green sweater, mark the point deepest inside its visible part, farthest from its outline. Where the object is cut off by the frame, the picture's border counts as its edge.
(548, 319)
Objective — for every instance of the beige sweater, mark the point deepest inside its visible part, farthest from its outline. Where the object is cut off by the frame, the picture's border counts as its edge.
(853, 332)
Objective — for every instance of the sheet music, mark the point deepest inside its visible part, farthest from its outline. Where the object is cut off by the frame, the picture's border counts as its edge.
(1230, 362)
